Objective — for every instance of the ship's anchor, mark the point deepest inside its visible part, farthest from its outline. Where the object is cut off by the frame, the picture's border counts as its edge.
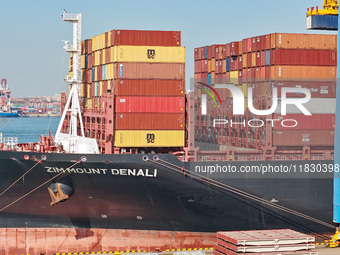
(58, 196)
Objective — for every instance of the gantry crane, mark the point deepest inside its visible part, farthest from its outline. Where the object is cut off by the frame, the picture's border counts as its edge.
(327, 19)
(323, 19)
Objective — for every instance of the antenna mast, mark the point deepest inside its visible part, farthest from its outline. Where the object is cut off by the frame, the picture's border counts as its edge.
(71, 141)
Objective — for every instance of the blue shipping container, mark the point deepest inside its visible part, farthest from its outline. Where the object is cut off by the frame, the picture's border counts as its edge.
(121, 70)
(322, 22)
(206, 52)
(103, 73)
(85, 61)
(95, 89)
(209, 78)
(228, 64)
(267, 57)
(92, 73)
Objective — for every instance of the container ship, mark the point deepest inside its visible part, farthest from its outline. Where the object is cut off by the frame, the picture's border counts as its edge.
(145, 184)
(5, 101)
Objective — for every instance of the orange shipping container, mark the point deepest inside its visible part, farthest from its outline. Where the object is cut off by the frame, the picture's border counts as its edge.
(253, 59)
(303, 41)
(213, 63)
(298, 72)
(149, 71)
(150, 121)
(209, 66)
(148, 87)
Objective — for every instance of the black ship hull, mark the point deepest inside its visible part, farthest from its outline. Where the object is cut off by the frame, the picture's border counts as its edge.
(127, 192)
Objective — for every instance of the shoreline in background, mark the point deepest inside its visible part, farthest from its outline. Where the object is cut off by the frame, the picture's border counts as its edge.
(41, 115)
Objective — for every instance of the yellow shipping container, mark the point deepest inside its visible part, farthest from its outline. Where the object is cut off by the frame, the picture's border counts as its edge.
(156, 54)
(100, 88)
(149, 138)
(244, 62)
(95, 73)
(234, 77)
(82, 90)
(88, 89)
(82, 59)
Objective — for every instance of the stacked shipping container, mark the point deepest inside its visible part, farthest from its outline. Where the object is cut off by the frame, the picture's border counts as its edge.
(133, 89)
(262, 63)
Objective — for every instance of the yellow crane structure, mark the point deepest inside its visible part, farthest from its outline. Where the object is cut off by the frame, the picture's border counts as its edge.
(330, 7)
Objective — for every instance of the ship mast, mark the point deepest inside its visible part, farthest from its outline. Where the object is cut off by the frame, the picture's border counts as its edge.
(71, 141)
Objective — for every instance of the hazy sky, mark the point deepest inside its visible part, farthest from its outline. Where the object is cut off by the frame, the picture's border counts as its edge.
(31, 31)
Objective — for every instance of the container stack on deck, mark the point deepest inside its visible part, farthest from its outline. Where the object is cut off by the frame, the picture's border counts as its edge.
(262, 63)
(133, 90)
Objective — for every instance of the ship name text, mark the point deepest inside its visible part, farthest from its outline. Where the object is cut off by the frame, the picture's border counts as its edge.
(151, 173)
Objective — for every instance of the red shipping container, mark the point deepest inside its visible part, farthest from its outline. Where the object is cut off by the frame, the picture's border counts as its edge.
(224, 51)
(213, 51)
(147, 121)
(228, 49)
(149, 87)
(90, 60)
(131, 104)
(88, 77)
(236, 62)
(209, 52)
(262, 43)
(258, 43)
(240, 62)
(217, 66)
(145, 37)
(258, 58)
(253, 44)
(249, 45)
(202, 52)
(303, 57)
(303, 137)
(205, 65)
(244, 75)
(244, 45)
(258, 73)
(149, 71)
(198, 66)
(107, 43)
(263, 58)
(311, 122)
(233, 62)
(234, 48)
(199, 53)
(107, 53)
(99, 73)
(267, 39)
(240, 77)
(196, 53)
(263, 73)
(249, 58)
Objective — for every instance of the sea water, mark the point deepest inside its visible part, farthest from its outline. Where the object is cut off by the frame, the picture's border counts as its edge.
(28, 129)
